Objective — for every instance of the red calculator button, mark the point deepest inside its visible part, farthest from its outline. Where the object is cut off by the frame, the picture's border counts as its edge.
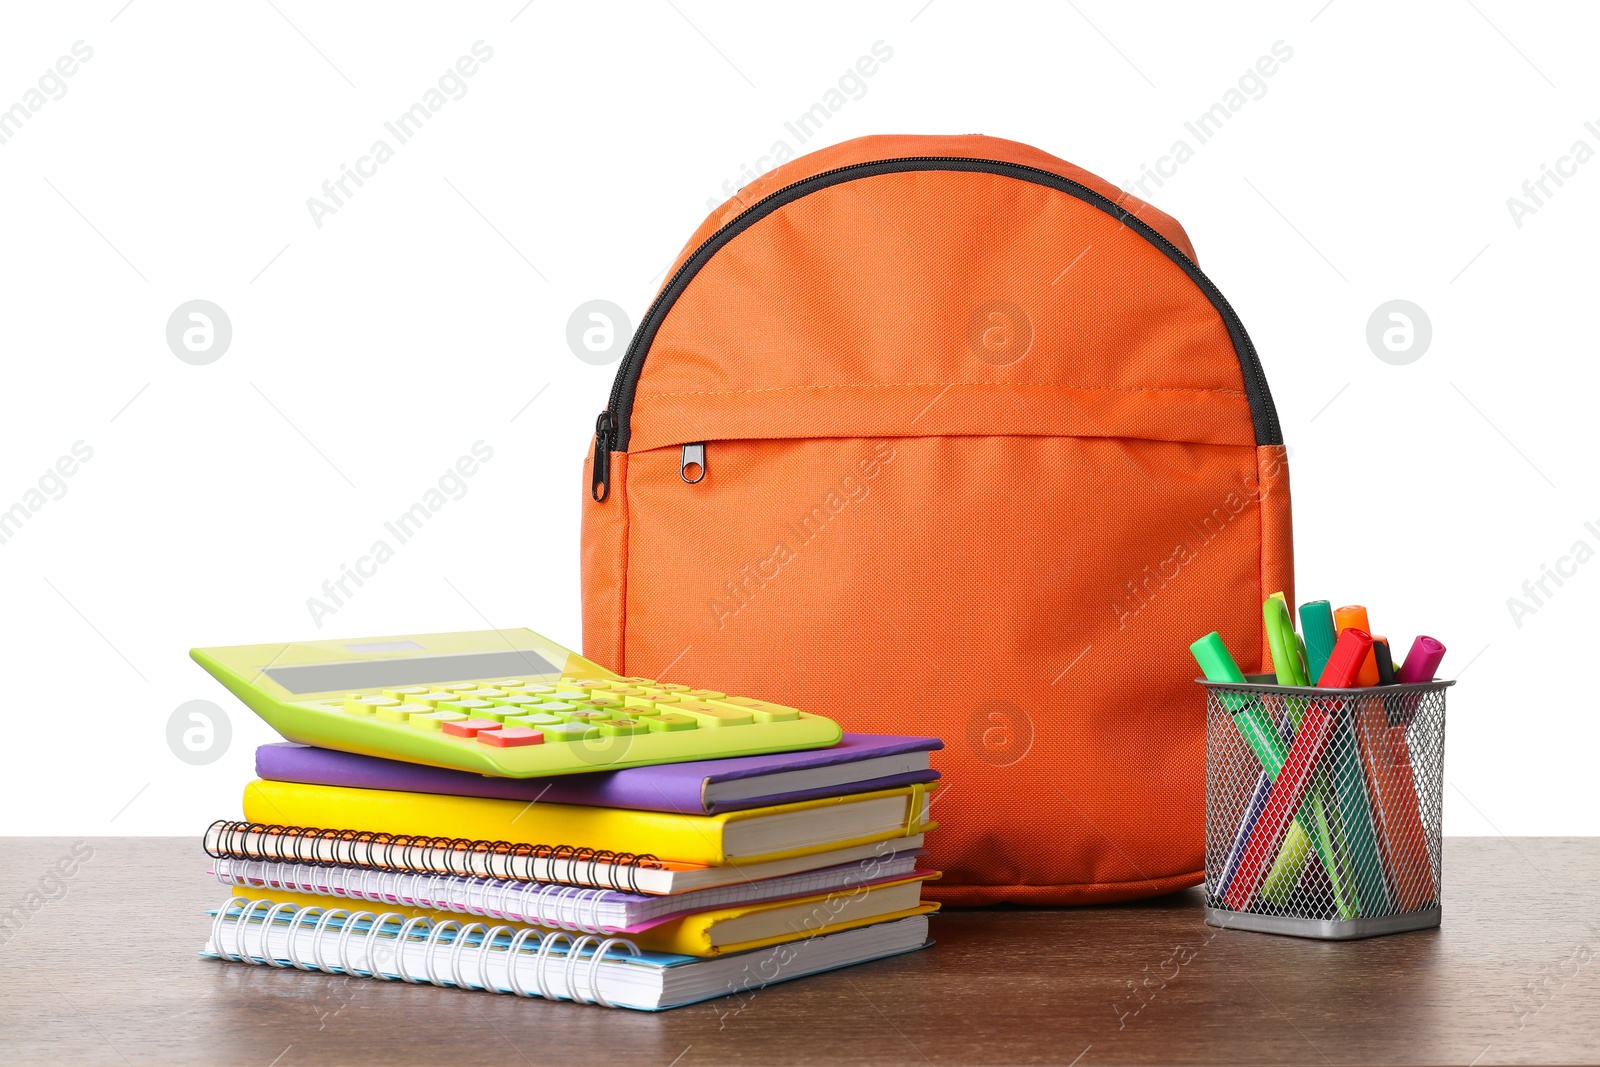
(469, 727)
(510, 737)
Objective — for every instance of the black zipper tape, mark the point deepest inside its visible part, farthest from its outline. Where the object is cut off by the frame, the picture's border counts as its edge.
(1263, 414)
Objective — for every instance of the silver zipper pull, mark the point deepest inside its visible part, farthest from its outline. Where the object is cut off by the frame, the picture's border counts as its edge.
(692, 467)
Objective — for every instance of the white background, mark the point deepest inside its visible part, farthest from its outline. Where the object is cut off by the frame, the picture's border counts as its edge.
(429, 312)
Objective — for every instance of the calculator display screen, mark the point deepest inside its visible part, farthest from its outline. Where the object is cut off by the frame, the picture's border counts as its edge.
(411, 670)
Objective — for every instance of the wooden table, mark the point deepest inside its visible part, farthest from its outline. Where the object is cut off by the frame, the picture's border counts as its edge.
(105, 971)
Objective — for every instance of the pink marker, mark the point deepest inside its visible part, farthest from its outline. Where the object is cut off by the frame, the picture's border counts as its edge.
(1422, 662)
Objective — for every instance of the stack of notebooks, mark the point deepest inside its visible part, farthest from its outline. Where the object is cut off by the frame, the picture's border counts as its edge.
(647, 888)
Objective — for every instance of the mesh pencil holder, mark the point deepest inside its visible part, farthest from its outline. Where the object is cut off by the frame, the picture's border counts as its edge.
(1323, 808)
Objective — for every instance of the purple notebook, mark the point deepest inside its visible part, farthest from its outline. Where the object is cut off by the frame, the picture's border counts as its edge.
(859, 763)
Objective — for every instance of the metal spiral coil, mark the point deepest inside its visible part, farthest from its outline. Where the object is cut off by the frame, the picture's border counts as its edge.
(412, 853)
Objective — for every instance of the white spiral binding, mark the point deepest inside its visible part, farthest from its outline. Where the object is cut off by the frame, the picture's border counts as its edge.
(463, 935)
(543, 904)
(570, 962)
(571, 974)
(434, 934)
(296, 923)
(351, 925)
(401, 940)
(320, 937)
(266, 925)
(513, 979)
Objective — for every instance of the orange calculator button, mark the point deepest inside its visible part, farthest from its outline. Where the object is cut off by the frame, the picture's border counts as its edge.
(469, 727)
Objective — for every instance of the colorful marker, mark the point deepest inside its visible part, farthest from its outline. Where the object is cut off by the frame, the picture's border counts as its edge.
(1316, 623)
(1290, 865)
(1381, 653)
(1354, 821)
(1392, 786)
(1241, 834)
(1255, 726)
(1316, 815)
(1385, 660)
(1354, 615)
(1355, 808)
(1289, 661)
(1218, 665)
(1286, 661)
(1422, 662)
(1295, 779)
(1287, 794)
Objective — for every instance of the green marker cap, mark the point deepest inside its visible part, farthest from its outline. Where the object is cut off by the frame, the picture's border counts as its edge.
(1281, 640)
(1316, 622)
(1216, 662)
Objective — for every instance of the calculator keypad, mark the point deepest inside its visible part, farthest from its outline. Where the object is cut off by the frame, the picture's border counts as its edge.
(509, 713)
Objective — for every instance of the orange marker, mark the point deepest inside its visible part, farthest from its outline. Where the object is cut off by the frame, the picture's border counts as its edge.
(1354, 617)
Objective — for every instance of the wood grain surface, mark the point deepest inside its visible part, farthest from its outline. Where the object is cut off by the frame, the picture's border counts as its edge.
(104, 970)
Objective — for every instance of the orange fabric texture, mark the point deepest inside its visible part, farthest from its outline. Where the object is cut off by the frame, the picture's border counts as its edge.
(981, 460)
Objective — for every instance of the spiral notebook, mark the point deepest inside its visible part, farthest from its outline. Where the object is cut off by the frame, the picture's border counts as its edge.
(725, 931)
(753, 836)
(593, 911)
(504, 860)
(556, 966)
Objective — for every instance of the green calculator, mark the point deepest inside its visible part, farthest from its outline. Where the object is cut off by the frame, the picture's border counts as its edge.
(500, 702)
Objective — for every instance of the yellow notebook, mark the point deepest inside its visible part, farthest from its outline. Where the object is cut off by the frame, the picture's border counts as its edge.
(754, 835)
(708, 933)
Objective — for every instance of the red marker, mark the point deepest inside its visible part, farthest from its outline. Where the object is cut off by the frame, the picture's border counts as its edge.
(1344, 665)
(1392, 786)
(1346, 661)
(1392, 783)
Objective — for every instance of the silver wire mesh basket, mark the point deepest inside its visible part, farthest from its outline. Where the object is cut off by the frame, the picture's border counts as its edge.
(1323, 808)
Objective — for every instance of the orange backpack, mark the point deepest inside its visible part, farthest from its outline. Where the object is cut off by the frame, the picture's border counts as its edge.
(946, 436)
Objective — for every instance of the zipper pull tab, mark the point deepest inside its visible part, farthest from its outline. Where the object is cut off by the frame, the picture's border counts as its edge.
(600, 487)
(692, 467)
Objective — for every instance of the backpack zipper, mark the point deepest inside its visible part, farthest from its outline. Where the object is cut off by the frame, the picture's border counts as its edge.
(692, 463)
(600, 485)
(614, 428)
